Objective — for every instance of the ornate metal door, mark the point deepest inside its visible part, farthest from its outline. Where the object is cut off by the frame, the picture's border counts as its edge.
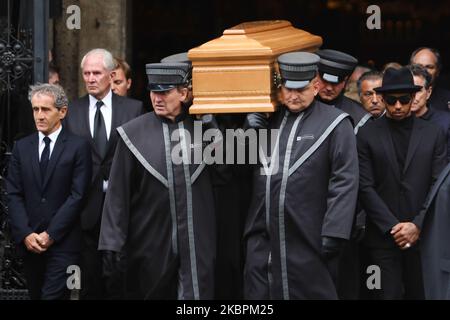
(23, 60)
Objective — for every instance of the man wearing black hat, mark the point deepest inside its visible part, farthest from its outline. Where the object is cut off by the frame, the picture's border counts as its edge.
(159, 208)
(335, 68)
(400, 157)
(303, 199)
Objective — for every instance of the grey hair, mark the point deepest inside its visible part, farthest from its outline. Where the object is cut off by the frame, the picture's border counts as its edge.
(108, 59)
(369, 75)
(419, 71)
(53, 90)
(434, 51)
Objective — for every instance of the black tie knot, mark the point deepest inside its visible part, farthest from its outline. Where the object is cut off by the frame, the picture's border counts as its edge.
(99, 104)
(47, 141)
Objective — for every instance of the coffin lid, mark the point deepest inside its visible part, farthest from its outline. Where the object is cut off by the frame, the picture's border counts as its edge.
(256, 39)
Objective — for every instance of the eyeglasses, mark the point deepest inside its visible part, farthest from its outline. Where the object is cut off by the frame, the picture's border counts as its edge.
(392, 100)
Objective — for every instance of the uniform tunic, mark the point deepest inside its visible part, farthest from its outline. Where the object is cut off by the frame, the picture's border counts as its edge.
(355, 110)
(311, 194)
(161, 212)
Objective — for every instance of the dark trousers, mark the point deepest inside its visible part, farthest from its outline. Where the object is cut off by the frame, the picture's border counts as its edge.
(92, 284)
(349, 273)
(46, 274)
(401, 273)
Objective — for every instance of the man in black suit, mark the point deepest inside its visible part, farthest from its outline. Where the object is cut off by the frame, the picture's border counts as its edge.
(48, 179)
(96, 117)
(430, 59)
(420, 105)
(400, 157)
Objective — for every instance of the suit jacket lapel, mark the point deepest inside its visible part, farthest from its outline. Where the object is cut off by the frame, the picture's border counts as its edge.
(34, 155)
(388, 145)
(56, 153)
(414, 141)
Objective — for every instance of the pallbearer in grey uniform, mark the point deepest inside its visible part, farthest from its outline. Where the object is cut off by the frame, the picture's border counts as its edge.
(304, 198)
(160, 210)
(229, 223)
(334, 69)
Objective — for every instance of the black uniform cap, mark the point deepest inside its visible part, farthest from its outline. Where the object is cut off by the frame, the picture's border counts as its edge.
(178, 57)
(334, 65)
(297, 69)
(166, 76)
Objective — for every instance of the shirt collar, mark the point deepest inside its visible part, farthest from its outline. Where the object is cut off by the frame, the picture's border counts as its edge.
(107, 100)
(53, 136)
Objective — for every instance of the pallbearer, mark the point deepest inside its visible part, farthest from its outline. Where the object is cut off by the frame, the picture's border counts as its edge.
(304, 199)
(158, 208)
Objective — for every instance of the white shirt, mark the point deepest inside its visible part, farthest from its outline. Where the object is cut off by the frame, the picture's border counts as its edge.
(53, 137)
(105, 109)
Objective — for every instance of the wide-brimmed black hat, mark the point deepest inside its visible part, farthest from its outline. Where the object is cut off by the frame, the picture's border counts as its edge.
(398, 80)
(166, 76)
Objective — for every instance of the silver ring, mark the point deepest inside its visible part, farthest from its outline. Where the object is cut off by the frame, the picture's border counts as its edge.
(408, 245)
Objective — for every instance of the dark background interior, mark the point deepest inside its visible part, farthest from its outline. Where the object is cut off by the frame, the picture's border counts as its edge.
(161, 28)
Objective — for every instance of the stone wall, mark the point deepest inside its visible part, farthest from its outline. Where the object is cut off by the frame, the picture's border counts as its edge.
(103, 25)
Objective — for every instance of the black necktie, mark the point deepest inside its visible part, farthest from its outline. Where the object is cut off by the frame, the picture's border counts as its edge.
(100, 130)
(45, 156)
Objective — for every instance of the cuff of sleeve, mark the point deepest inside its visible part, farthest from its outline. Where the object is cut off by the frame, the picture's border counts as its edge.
(21, 237)
(388, 230)
(418, 221)
(53, 234)
(50, 236)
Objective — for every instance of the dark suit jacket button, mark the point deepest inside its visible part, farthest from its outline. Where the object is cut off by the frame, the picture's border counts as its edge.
(43, 200)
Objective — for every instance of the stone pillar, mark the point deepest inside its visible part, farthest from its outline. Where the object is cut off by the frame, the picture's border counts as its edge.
(103, 25)
(66, 51)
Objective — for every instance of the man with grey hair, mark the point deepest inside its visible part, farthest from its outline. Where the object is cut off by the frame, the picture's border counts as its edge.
(430, 59)
(96, 117)
(371, 100)
(420, 107)
(48, 179)
(351, 88)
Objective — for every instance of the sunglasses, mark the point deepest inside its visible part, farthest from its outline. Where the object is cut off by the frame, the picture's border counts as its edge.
(392, 100)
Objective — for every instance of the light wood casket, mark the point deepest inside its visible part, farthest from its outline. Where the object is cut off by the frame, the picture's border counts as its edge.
(235, 73)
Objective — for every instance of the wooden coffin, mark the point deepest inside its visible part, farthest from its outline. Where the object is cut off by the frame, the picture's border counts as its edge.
(235, 73)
